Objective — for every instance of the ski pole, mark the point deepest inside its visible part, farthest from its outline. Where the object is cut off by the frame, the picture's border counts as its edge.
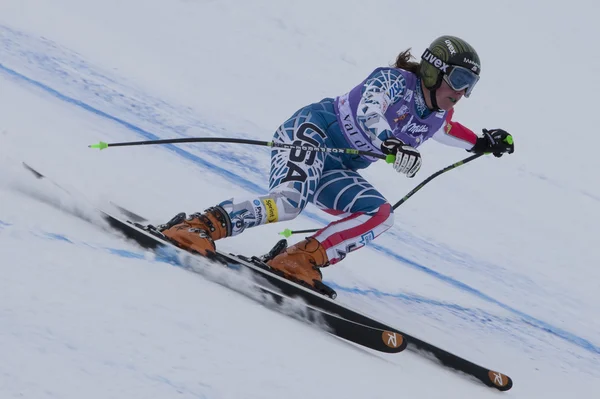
(287, 232)
(388, 158)
(433, 176)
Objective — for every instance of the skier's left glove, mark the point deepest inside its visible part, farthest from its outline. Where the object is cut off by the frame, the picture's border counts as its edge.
(408, 159)
(496, 141)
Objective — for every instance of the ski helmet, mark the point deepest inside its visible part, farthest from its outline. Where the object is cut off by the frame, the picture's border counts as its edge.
(438, 61)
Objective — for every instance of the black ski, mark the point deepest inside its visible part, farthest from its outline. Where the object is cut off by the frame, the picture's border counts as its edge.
(381, 338)
(345, 322)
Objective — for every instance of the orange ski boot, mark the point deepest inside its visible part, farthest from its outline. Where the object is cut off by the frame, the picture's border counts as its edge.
(302, 261)
(199, 231)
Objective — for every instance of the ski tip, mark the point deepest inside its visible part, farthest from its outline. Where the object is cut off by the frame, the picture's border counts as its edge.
(101, 145)
(393, 340)
(35, 172)
(500, 381)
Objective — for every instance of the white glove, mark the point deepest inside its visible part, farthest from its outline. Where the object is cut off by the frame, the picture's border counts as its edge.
(408, 159)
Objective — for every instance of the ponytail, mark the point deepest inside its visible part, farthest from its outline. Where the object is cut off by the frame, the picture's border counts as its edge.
(403, 61)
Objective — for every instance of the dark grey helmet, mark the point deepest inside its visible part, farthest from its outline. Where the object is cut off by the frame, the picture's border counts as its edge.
(446, 50)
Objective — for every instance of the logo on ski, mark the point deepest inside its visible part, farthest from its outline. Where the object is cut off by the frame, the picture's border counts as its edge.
(498, 379)
(392, 339)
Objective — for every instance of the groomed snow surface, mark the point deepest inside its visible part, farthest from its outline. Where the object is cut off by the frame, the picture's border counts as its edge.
(496, 261)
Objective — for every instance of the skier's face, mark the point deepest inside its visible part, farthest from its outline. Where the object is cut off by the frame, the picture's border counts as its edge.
(447, 97)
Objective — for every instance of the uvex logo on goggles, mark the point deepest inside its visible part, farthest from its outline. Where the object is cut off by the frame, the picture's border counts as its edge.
(435, 61)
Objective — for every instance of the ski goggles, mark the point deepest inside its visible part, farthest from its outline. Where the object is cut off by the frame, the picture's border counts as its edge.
(460, 78)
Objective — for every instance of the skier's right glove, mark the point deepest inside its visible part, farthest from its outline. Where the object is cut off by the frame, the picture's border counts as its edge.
(496, 141)
(408, 159)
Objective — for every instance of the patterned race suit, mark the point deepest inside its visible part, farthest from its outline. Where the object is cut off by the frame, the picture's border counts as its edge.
(389, 103)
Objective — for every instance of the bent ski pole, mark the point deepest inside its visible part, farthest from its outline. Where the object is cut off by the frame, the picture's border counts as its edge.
(287, 232)
(388, 158)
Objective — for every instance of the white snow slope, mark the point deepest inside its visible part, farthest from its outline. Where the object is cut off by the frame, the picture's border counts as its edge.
(496, 261)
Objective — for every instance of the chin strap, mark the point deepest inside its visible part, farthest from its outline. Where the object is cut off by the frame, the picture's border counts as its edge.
(432, 90)
(433, 100)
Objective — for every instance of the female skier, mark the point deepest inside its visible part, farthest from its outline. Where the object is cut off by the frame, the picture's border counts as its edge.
(393, 111)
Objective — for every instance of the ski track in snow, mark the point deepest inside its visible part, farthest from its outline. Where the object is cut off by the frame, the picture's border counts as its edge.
(64, 75)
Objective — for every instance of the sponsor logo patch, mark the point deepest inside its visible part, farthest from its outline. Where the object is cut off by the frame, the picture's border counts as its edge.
(258, 211)
(435, 61)
(448, 127)
(367, 238)
(450, 46)
(402, 113)
(414, 129)
(272, 212)
(476, 66)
